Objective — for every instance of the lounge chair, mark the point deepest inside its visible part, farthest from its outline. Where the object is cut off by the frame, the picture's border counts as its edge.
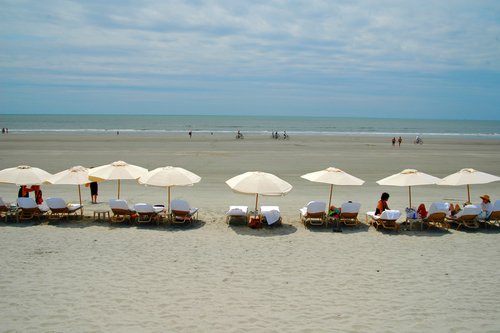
(237, 212)
(3, 209)
(388, 219)
(59, 208)
(313, 213)
(467, 217)
(494, 218)
(181, 212)
(147, 213)
(436, 216)
(28, 209)
(349, 213)
(270, 215)
(121, 210)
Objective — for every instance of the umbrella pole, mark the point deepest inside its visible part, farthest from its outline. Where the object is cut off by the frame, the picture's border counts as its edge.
(80, 196)
(468, 194)
(168, 206)
(118, 189)
(330, 201)
(256, 202)
(409, 194)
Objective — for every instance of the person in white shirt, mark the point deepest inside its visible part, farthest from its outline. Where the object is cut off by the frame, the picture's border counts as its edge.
(486, 207)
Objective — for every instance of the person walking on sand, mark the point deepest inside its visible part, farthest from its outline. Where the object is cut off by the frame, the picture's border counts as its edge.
(190, 134)
(394, 141)
(399, 141)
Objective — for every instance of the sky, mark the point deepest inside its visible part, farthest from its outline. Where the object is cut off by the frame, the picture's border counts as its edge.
(359, 58)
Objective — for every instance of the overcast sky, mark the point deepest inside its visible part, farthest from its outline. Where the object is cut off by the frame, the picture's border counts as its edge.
(412, 58)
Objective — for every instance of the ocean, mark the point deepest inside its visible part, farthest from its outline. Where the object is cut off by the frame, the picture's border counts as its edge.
(327, 126)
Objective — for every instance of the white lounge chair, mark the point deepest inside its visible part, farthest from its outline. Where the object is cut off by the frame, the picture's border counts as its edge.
(467, 217)
(313, 213)
(59, 208)
(121, 210)
(28, 209)
(349, 213)
(436, 216)
(148, 213)
(270, 214)
(181, 212)
(237, 212)
(388, 219)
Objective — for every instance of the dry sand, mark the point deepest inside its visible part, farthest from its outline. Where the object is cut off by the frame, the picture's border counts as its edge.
(92, 277)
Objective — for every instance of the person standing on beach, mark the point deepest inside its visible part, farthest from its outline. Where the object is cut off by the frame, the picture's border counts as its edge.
(190, 134)
(399, 141)
(394, 141)
(93, 192)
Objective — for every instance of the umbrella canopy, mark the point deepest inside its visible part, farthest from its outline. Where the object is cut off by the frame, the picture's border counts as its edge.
(24, 175)
(332, 176)
(169, 176)
(116, 171)
(467, 177)
(409, 177)
(256, 182)
(77, 175)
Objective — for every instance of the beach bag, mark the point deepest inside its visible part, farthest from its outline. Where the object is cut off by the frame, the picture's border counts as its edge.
(255, 223)
(411, 213)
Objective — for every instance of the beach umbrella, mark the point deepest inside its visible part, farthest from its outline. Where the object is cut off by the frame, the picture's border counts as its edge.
(77, 175)
(169, 176)
(409, 177)
(116, 171)
(23, 175)
(332, 176)
(257, 182)
(468, 176)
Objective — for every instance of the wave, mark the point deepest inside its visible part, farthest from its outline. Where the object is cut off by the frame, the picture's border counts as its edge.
(255, 132)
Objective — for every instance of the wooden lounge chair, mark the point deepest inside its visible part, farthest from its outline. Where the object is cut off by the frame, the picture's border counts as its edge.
(147, 213)
(59, 209)
(270, 215)
(3, 209)
(494, 218)
(28, 209)
(181, 212)
(436, 217)
(121, 210)
(387, 220)
(467, 217)
(349, 213)
(313, 213)
(237, 212)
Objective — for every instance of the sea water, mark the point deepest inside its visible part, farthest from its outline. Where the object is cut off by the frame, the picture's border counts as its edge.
(293, 125)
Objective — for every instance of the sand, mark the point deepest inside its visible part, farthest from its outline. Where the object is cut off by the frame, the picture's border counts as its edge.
(93, 277)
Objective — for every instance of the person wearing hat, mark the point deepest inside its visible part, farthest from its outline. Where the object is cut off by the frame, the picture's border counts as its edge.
(486, 207)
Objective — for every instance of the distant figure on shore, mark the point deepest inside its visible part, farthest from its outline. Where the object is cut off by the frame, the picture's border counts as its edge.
(418, 140)
(285, 136)
(190, 134)
(239, 135)
(3, 130)
(399, 141)
(394, 141)
(117, 132)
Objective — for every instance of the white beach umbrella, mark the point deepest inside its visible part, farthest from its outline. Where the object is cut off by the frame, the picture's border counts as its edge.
(24, 175)
(169, 176)
(409, 177)
(77, 175)
(256, 182)
(116, 171)
(467, 177)
(333, 176)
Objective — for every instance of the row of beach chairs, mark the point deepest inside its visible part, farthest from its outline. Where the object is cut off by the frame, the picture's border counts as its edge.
(312, 214)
